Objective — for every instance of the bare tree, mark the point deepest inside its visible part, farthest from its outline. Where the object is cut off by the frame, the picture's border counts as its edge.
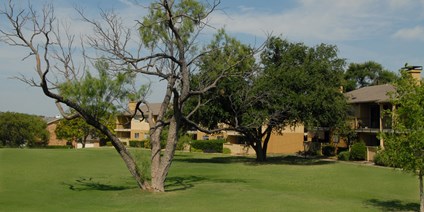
(165, 46)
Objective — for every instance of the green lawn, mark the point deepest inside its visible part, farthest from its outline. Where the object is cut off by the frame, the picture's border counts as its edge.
(97, 180)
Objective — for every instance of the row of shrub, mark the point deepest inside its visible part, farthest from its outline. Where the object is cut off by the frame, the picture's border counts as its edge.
(182, 143)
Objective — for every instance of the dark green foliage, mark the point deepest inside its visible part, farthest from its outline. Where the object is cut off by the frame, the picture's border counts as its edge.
(345, 156)
(17, 129)
(329, 150)
(358, 151)
(342, 149)
(208, 145)
(293, 83)
(383, 159)
(360, 75)
(136, 143)
(314, 149)
(109, 143)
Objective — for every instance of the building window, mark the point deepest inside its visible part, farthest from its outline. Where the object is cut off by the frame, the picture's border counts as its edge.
(136, 135)
(205, 137)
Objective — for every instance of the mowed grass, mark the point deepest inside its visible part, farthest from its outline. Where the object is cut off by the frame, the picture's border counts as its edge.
(97, 180)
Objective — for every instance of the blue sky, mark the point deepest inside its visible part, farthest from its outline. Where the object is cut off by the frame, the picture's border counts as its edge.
(390, 32)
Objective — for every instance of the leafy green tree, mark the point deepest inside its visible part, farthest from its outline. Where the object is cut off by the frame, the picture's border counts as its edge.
(294, 84)
(76, 130)
(404, 146)
(18, 129)
(369, 73)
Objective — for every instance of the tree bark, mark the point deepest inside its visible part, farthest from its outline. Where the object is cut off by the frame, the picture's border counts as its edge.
(157, 186)
(260, 157)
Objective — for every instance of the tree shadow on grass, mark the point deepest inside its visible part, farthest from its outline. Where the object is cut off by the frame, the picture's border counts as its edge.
(295, 160)
(393, 205)
(86, 184)
(284, 160)
(184, 183)
(229, 159)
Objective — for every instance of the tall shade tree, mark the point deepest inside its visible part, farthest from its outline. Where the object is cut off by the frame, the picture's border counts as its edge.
(293, 84)
(165, 48)
(18, 129)
(369, 73)
(404, 146)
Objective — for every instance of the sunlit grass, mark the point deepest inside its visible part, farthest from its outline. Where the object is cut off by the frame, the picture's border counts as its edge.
(97, 180)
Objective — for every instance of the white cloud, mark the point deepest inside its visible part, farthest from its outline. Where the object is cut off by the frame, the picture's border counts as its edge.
(322, 20)
(416, 33)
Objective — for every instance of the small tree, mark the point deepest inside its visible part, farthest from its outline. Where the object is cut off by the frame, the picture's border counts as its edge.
(75, 130)
(404, 146)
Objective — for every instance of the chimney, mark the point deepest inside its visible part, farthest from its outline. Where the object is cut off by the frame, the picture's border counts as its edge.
(415, 72)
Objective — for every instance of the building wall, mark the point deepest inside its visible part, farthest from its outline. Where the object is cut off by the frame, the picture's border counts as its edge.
(288, 143)
(53, 140)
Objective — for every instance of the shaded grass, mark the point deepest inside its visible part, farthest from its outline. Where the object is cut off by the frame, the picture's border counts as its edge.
(97, 180)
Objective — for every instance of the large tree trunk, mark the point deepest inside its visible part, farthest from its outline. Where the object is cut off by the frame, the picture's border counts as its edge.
(157, 184)
(420, 176)
(169, 151)
(260, 154)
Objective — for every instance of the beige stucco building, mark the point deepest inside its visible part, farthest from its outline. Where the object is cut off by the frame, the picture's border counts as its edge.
(135, 127)
(368, 117)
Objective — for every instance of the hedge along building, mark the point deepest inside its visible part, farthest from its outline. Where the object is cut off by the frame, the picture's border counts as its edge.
(368, 117)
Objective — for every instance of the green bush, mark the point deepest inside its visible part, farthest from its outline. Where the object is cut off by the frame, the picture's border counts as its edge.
(382, 159)
(344, 156)
(208, 145)
(183, 141)
(109, 143)
(136, 143)
(329, 150)
(314, 149)
(146, 144)
(226, 151)
(358, 151)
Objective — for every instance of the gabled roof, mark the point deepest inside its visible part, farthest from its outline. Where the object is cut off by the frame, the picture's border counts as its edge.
(50, 120)
(376, 93)
(154, 108)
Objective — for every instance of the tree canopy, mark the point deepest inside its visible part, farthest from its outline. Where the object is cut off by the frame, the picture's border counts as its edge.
(18, 129)
(404, 146)
(292, 84)
(369, 73)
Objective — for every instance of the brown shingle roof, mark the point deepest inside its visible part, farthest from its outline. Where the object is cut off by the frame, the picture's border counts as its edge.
(154, 107)
(377, 93)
